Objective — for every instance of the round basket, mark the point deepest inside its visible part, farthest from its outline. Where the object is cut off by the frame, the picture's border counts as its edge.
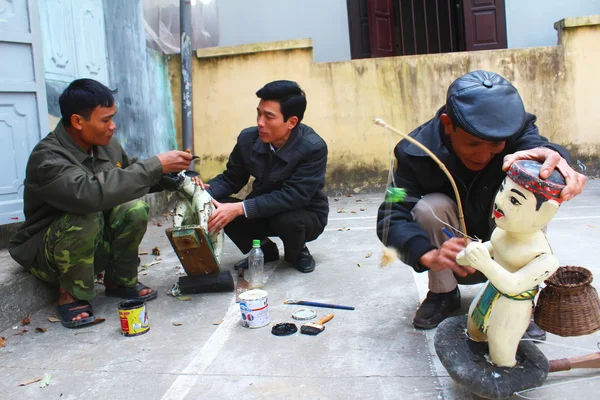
(569, 304)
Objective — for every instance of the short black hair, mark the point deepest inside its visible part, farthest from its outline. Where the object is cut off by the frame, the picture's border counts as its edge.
(288, 94)
(82, 96)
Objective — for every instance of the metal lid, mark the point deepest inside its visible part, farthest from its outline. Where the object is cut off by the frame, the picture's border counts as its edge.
(304, 314)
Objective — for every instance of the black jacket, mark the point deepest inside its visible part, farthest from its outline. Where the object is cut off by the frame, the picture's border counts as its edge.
(290, 178)
(420, 175)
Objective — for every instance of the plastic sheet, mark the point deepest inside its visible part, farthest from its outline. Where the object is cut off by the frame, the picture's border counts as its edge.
(161, 24)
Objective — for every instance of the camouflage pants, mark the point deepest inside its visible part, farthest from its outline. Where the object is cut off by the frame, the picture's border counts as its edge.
(76, 247)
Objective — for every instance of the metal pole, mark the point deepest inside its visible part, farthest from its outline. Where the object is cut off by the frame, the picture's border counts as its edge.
(187, 121)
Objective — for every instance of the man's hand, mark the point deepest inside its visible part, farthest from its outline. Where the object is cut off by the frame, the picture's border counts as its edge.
(198, 182)
(223, 215)
(175, 161)
(445, 258)
(551, 160)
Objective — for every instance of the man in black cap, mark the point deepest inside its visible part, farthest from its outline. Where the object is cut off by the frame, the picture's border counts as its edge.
(478, 134)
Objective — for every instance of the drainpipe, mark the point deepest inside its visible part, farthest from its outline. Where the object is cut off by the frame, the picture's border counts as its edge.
(185, 22)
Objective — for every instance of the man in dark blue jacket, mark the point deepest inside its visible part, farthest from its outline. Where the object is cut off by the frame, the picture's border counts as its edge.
(287, 160)
(480, 131)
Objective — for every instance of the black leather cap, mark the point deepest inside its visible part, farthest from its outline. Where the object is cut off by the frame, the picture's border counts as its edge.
(485, 105)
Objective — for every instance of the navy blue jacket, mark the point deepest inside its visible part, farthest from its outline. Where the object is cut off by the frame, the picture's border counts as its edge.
(420, 175)
(288, 179)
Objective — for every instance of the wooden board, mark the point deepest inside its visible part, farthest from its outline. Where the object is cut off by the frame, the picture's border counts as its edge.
(193, 249)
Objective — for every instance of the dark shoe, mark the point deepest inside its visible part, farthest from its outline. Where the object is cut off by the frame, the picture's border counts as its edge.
(435, 308)
(306, 262)
(68, 311)
(270, 251)
(131, 293)
(535, 332)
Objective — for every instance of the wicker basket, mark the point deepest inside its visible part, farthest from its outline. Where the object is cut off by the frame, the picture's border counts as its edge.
(569, 304)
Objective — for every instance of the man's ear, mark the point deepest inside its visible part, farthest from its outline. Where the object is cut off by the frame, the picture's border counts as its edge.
(77, 121)
(546, 212)
(447, 122)
(292, 122)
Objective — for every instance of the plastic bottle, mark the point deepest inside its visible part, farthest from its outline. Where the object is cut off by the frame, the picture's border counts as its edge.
(256, 266)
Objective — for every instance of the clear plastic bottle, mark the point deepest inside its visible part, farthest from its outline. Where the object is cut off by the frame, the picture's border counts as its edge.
(256, 266)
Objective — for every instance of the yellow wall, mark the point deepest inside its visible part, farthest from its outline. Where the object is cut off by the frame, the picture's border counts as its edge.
(344, 97)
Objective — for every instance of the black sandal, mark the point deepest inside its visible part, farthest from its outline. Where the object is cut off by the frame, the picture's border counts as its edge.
(69, 311)
(131, 293)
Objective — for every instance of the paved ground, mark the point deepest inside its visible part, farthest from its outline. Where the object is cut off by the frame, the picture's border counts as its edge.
(370, 353)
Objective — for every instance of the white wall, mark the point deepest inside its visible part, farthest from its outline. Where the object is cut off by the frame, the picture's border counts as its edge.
(254, 21)
(530, 23)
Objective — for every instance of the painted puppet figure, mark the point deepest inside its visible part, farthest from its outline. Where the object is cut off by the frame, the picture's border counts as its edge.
(515, 260)
(195, 208)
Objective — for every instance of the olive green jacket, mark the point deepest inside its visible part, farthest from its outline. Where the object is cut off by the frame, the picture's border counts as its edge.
(62, 178)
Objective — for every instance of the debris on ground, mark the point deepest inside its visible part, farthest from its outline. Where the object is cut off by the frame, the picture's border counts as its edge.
(353, 212)
(26, 321)
(363, 209)
(21, 333)
(2, 342)
(53, 319)
(158, 258)
(156, 251)
(368, 255)
(184, 298)
(40, 330)
(348, 195)
(336, 199)
(157, 223)
(177, 323)
(359, 265)
(343, 229)
(143, 253)
(45, 380)
(174, 291)
(31, 381)
(219, 322)
(146, 266)
(341, 210)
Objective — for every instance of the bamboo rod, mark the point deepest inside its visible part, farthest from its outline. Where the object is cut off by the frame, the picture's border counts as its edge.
(461, 216)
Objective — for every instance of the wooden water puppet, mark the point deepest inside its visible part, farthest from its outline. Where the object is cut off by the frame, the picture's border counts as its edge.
(516, 259)
(198, 250)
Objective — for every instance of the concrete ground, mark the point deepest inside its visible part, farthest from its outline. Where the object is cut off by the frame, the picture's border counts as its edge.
(370, 353)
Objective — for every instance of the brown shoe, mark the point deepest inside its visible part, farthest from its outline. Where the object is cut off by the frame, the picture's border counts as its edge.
(435, 308)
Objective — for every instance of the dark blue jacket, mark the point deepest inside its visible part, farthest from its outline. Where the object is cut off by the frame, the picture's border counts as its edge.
(420, 175)
(288, 179)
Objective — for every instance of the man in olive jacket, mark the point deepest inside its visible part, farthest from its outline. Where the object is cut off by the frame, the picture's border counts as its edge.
(81, 205)
(478, 134)
(288, 161)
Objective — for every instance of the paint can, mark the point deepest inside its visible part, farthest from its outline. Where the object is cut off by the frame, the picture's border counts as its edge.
(134, 317)
(254, 305)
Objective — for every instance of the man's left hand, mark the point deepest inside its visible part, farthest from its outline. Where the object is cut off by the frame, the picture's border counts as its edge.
(223, 215)
(551, 160)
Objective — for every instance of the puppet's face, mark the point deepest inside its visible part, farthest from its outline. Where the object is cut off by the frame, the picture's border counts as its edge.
(515, 209)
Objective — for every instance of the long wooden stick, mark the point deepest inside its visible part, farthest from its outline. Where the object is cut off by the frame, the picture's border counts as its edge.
(565, 364)
(461, 216)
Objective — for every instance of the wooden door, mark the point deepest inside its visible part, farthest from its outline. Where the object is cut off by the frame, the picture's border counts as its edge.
(358, 28)
(23, 108)
(484, 24)
(382, 28)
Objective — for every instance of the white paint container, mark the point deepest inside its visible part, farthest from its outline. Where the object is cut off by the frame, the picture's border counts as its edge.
(254, 305)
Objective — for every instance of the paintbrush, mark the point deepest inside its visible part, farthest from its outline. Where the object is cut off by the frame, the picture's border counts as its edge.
(314, 328)
(315, 304)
